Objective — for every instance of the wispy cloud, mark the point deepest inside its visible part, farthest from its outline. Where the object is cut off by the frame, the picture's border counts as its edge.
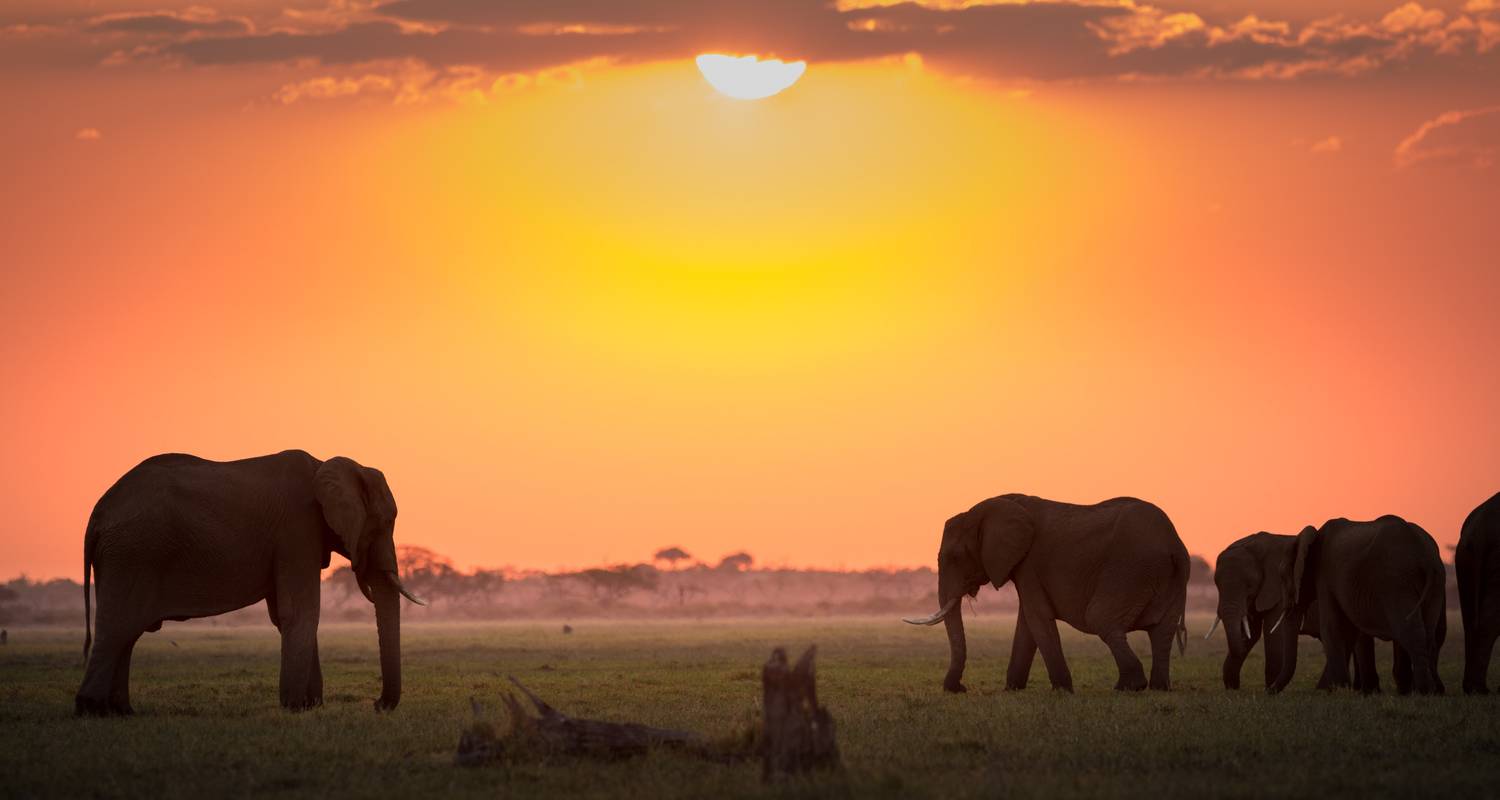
(1469, 137)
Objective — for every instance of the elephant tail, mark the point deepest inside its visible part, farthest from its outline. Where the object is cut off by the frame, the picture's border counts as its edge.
(88, 563)
(1432, 577)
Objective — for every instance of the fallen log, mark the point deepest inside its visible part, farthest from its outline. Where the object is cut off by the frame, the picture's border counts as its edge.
(798, 736)
(553, 732)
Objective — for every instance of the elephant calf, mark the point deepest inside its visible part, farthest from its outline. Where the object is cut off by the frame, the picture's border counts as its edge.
(179, 537)
(1477, 562)
(1382, 579)
(1105, 569)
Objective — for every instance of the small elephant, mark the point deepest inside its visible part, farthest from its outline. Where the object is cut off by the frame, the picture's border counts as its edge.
(1382, 579)
(179, 537)
(1105, 569)
(1477, 562)
(1252, 603)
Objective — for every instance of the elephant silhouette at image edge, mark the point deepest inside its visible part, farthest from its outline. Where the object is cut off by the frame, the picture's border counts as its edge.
(1477, 562)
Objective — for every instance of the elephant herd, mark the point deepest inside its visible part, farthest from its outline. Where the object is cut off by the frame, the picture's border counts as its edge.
(1119, 566)
(179, 537)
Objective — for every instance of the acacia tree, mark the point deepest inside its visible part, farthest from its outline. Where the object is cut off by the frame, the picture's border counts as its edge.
(735, 562)
(672, 555)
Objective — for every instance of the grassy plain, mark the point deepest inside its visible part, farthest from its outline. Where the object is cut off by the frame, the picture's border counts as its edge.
(207, 723)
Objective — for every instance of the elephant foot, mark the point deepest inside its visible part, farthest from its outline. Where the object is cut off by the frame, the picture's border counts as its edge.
(1160, 685)
(1015, 687)
(1063, 687)
(1470, 688)
(955, 687)
(1130, 683)
(386, 704)
(92, 707)
(302, 704)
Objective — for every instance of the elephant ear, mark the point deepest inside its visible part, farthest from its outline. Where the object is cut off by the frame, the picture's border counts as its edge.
(1302, 571)
(1005, 536)
(338, 488)
(1272, 590)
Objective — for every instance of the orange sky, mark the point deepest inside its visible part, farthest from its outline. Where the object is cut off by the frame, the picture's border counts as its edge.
(1235, 257)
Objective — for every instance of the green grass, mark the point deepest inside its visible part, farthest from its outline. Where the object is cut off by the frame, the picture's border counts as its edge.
(207, 723)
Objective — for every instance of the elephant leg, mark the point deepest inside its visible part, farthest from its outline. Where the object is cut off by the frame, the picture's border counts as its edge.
(119, 690)
(1162, 637)
(1132, 676)
(1275, 656)
(1044, 631)
(1477, 654)
(1411, 641)
(1338, 638)
(1022, 652)
(297, 609)
(1366, 680)
(94, 695)
(1401, 669)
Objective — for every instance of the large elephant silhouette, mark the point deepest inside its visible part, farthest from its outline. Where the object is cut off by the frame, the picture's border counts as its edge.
(1383, 579)
(1477, 562)
(180, 537)
(1105, 569)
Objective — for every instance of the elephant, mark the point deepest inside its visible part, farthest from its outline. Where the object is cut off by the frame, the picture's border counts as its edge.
(1381, 578)
(1477, 562)
(1105, 569)
(180, 537)
(1252, 604)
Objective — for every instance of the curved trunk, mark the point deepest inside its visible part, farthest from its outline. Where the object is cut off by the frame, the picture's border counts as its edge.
(1291, 626)
(958, 650)
(1233, 616)
(388, 628)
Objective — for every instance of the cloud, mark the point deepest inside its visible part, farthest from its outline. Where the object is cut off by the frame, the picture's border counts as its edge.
(1332, 144)
(190, 21)
(88, 135)
(1014, 40)
(1468, 137)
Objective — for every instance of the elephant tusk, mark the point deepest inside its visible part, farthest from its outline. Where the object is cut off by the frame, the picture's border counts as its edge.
(935, 618)
(364, 589)
(396, 581)
(1246, 622)
(1278, 623)
(1212, 628)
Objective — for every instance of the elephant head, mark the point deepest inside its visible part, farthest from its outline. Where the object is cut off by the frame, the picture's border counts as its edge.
(983, 544)
(1248, 575)
(358, 506)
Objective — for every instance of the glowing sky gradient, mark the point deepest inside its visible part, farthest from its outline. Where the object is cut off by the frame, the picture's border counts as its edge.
(1238, 257)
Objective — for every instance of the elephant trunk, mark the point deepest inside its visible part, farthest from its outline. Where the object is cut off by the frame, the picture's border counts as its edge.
(1233, 616)
(958, 649)
(387, 598)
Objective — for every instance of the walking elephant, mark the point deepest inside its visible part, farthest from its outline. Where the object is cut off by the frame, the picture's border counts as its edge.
(1382, 579)
(179, 537)
(1252, 604)
(1105, 569)
(1477, 562)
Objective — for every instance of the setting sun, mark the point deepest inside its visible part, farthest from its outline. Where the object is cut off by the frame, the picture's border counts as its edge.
(746, 77)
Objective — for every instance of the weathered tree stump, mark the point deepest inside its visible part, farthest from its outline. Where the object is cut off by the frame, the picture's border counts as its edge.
(798, 736)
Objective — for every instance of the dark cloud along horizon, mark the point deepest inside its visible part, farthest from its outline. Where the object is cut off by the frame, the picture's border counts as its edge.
(1049, 40)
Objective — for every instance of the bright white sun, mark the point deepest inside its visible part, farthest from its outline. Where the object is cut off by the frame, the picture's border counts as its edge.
(746, 77)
